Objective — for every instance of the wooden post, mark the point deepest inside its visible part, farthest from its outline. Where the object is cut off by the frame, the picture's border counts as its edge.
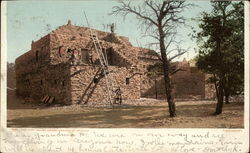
(156, 93)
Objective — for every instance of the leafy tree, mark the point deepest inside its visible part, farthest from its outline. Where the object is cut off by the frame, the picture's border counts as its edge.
(159, 19)
(221, 48)
(235, 55)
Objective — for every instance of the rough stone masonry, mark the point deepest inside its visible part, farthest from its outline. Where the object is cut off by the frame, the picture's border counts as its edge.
(64, 67)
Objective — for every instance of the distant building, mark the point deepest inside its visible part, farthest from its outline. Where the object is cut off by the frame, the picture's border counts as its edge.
(188, 83)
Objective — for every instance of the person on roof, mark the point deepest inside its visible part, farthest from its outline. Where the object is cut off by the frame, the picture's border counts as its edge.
(112, 28)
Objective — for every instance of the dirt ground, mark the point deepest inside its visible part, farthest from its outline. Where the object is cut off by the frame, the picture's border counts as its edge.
(147, 113)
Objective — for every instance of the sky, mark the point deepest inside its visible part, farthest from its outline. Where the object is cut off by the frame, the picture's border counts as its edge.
(31, 20)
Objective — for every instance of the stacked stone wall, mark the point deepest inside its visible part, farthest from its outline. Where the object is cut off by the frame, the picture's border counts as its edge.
(29, 67)
(51, 80)
(63, 63)
(35, 77)
(78, 40)
(80, 82)
(63, 46)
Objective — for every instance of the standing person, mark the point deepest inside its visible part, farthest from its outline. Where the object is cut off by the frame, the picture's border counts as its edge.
(118, 98)
(112, 28)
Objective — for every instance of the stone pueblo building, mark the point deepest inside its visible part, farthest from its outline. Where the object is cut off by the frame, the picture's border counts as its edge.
(63, 67)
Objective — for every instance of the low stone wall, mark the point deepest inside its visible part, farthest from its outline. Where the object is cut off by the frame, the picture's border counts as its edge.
(186, 84)
(189, 82)
(210, 92)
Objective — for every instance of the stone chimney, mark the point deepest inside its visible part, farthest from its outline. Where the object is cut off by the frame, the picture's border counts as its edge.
(69, 22)
(32, 44)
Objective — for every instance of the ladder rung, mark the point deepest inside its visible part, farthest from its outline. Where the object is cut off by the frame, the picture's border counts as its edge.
(104, 64)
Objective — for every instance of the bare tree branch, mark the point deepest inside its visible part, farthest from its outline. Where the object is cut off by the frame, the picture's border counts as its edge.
(180, 52)
(170, 42)
(126, 9)
(160, 19)
(150, 4)
(177, 70)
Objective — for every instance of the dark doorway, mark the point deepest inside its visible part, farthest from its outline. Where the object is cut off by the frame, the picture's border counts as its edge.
(110, 56)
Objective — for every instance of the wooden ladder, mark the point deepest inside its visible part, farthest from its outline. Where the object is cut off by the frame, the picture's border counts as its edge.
(102, 56)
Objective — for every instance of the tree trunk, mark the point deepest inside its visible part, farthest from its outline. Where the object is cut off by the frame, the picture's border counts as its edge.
(219, 99)
(171, 105)
(227, 99)
(216, 89)
(221, 81)
(166, 65)
(226, 96)
(156, 94)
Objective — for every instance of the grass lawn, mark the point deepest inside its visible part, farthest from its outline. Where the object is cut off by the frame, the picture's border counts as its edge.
(190, 114)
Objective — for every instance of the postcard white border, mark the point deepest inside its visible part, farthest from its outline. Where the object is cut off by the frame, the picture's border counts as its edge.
(242, 133)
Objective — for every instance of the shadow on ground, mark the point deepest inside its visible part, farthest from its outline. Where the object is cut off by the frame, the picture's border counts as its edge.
(131, 117)
(191, 114)
(105, 117)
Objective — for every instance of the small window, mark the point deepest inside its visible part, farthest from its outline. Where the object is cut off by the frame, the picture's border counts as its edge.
(63, 83)
(41, 82)
(55, 81)
(96, 80)
(69, 50)
(195, 83)
(28, 81)
(127, 81)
